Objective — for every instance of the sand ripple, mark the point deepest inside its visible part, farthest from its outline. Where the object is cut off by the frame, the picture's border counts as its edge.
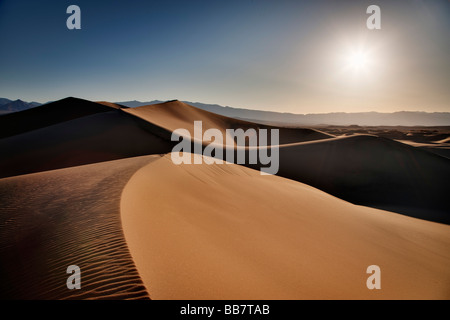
(53, 219)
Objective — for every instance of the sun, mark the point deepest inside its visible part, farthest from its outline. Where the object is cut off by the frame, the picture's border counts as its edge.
(358, 60)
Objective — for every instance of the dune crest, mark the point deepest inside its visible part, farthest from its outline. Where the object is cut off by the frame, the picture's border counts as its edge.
(202, 232)
(94, 138)
(175, 114)
(48, 114)
(372, 171)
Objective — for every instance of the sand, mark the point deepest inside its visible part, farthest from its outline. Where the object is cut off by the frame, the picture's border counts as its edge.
(99, 137)
(432, 139)
(372, 171)
(112, 105)
(176, 114)
(227, 232)
(47, 115)
(143, 227)
(361, 168)
(441, 147)
(54, 219)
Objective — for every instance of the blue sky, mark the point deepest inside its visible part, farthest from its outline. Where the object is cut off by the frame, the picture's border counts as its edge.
(289, 56)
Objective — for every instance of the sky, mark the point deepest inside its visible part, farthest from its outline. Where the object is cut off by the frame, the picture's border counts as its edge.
(286, 56)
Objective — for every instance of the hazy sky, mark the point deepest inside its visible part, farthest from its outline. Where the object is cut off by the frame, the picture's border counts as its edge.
(289, 56)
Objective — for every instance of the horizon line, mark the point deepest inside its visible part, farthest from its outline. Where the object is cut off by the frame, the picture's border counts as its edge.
(226, 106)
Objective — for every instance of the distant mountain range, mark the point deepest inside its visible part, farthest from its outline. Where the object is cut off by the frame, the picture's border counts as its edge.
(402, 118)
(7, 106)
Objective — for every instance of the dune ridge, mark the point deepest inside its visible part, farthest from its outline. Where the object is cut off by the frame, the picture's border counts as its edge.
(112, 105)
(375, 172)
(47, 115)
(210, 237)
(94, 138)
(362, 168)
(175, 114)
(54, 219)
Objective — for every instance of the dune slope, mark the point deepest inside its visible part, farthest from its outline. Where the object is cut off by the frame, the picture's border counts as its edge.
(112, 105)
(172, 115)
(54, 219)
(48, 114)
(226, 232)
(362, 169)
(98, 137)
(374, 172)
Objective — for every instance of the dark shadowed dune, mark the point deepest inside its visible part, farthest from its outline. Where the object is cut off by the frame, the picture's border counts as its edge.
(375, 172)
(443, 151)
(94, 138)
(48, 114)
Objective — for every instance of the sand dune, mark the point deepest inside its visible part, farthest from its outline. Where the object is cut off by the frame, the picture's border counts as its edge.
(441, 148)
(432, 139)
(375, 172)
(204, 232)
(444, 140)
(94, 138)
(112, 105)
(54, 219)
(48, 114)
(176, 114)
(362, 169)
(142, 226)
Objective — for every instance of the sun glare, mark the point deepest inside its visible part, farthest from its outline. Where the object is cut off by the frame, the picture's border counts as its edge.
(358, 60)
